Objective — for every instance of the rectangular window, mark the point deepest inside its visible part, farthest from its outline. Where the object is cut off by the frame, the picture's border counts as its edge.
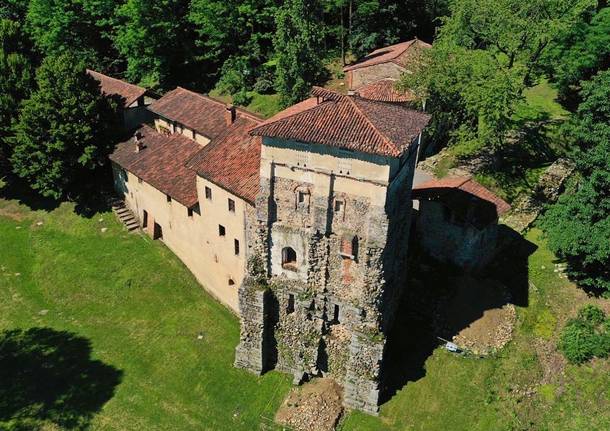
(208, 193)
(125, 176)
(221, 230)
(336, 313)
(231, 205)
(339, 206)
(189, 212)
(168, 198)
(236, 246)
(290, 305)
(302, 197)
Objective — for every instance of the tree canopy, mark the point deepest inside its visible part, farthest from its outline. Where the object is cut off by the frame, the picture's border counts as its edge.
(65, 129)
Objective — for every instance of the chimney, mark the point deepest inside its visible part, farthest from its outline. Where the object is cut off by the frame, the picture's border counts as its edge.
(230, 114)
(138, 140)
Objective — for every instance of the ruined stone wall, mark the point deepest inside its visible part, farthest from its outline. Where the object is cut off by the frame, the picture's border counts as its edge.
(326, 315)
(462, 245)
(367, 75)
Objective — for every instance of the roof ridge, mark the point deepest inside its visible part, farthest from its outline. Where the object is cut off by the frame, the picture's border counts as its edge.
(408, 44)
(386, 141)
(90, 71)
(287, 117)
(242, 111)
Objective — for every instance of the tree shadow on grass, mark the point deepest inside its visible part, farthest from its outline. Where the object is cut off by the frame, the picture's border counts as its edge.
(91, 197)
(49, 376)
(432, 288)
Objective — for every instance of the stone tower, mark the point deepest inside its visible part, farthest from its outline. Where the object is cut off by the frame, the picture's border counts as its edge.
(327, 264)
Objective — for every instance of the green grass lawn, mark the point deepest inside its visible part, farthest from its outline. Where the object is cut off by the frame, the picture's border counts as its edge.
(142, 312)
(139, 311)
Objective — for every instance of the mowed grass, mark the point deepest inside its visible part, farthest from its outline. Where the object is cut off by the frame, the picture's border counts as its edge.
(141, 310)
(508, 391)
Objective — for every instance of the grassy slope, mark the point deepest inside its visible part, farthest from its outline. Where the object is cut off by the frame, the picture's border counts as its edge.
(487, 394)
(142, 311)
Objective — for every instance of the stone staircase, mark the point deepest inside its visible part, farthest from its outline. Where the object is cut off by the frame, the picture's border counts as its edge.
(125, 215)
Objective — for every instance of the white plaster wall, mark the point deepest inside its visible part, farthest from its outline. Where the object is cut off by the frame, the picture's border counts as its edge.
(195, 239)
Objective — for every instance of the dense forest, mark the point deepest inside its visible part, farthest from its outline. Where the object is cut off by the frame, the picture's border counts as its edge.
(486, 56)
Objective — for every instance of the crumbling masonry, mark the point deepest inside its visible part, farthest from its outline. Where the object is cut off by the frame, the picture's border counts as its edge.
(327, 264)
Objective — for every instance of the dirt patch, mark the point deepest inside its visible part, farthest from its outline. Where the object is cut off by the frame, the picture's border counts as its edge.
(12, 212)
(478, 316)
(316, 405)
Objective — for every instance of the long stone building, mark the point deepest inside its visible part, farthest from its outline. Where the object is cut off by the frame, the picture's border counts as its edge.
(299, 223)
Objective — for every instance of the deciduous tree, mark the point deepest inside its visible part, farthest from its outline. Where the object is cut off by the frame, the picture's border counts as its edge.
(65, 129)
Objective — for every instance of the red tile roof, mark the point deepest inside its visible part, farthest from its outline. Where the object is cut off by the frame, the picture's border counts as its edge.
(161, 163)
(384, 90)
(196, 111)
(348, 122)
(399, 54)
(465, 184)
(232, 160)
(115, 87)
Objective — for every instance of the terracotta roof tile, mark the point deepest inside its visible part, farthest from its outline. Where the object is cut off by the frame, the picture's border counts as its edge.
(112, 86)
(384, 90)
(465, 184)
(161, 163)
(196, 111)
(232, 160)
(349, 122)
(399, 54)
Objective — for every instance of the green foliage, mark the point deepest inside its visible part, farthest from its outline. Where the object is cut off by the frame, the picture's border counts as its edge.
(16, 78)
(157, 41)
(586, 336)
(65, 129)
(297, 45)
(581, 52)
(485, 56)
(14, 10)
(578, 226)
(82, 27)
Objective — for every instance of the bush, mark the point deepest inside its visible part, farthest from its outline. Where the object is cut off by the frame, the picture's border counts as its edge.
(587, 336)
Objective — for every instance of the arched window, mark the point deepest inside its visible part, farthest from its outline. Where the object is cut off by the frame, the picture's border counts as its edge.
(289, 258)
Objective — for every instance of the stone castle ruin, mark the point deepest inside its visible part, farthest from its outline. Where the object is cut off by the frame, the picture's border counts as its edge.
(331, 233)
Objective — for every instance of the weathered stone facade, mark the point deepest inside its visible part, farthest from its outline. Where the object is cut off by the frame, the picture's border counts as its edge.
(326, 266)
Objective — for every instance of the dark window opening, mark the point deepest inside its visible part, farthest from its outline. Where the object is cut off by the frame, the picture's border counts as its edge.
(339, 205)
(289, 258)
(168, 198)
(231, 205)
(158, 231)
(221, 230)
(208, 193)
(139, 180)
(189, 212)
(125, 176)
(290, 306)
(302, 197)
(236, 246)
(336, 313)
(144, 218)
(231, 282)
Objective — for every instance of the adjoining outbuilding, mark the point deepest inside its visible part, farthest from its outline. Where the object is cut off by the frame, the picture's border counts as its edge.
(457, 221)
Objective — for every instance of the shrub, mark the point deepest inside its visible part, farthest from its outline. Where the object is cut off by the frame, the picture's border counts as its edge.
(586, 336)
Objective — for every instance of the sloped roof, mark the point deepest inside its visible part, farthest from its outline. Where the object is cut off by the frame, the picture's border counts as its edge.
(115, 87)
(398, 54)
(161, 163)
(201, 113)
(232, 160)
(466, 184)
(384, 90)
(348, 122)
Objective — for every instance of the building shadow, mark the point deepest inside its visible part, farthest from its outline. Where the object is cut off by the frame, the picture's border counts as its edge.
(48, 375)
(431, 287)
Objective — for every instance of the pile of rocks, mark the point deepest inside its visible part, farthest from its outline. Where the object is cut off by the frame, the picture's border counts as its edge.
(316, 405)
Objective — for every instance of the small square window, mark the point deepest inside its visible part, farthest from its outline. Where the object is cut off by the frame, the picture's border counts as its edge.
(231, 205)
(236, 246)
(189, 212)
(208, 193)
(339, 205)
(302, 197)
(221, 230)
(168, 198)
